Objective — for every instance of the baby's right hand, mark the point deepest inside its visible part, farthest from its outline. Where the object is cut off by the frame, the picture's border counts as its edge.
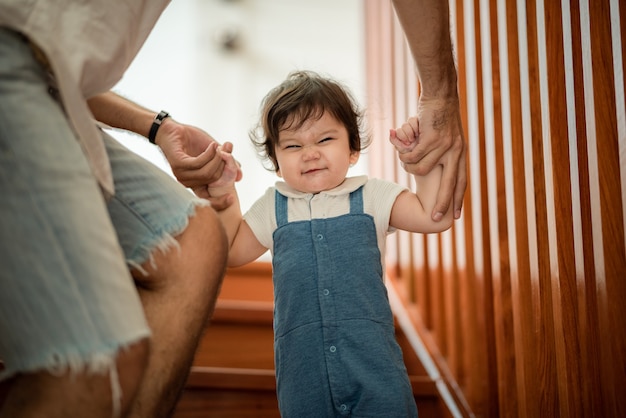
(405, 138)
(231, 172)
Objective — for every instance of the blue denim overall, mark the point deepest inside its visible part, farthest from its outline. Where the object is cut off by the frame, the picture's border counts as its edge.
(336, 353)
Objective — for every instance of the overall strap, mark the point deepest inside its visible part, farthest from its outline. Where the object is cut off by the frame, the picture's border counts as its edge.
(280, 208)
(356, 201)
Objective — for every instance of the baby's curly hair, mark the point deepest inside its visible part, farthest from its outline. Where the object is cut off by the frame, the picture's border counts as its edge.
(302, 96)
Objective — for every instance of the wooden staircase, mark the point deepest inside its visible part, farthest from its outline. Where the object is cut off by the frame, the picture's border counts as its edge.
(233, 372)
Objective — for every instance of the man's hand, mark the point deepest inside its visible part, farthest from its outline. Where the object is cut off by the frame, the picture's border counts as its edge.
(440, 140)
(193, 155)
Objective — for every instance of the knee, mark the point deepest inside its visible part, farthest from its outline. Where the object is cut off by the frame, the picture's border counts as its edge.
(131, 363)
(204, 243)
(205, 248)
(200, 259)
(214, 235)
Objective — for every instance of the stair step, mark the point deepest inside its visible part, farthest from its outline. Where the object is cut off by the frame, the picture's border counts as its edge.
(231, 378)
(230, 392)
(233, 371)
(263, 379)
(237, 351)
(240, 335)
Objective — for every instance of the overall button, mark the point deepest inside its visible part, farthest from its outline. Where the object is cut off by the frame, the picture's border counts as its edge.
(326, 292)
(343, 407)
(333, 349)
(320, 237)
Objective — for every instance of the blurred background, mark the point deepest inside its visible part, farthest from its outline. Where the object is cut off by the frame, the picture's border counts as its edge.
(210, 63)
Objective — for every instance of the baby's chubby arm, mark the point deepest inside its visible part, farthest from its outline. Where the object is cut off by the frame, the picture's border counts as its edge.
(414, 211)
(243, 244)
(225, 186)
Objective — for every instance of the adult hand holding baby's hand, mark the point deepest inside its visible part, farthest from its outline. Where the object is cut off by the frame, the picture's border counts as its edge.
(221, 192)
(231, 172)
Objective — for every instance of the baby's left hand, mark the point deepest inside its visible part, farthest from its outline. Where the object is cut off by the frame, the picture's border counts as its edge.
(405, 138)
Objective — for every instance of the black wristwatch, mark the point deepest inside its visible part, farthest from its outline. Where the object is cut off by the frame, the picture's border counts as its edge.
(156, 123)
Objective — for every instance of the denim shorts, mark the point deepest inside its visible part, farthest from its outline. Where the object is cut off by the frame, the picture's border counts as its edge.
(67, 299)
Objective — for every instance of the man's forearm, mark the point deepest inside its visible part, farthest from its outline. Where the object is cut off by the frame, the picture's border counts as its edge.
(427, 28)
(121, 113)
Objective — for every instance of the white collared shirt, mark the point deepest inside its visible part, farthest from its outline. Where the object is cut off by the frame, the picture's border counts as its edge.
(378, 199)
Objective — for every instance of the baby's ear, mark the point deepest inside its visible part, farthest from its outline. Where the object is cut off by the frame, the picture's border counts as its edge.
(354, 157)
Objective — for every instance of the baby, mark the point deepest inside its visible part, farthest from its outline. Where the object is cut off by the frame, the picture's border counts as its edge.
(334, 341)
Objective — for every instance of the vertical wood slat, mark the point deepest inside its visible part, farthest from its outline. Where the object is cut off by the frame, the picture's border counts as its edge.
(543, 320)
(587, 300)
(500, 254)
(473, 378)
(480, 202)
(516, 202)
(564, 289)
(612, 227)
(523, 299)
(398, 114)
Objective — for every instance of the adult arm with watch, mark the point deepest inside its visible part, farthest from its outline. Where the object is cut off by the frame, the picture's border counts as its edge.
(190, 151)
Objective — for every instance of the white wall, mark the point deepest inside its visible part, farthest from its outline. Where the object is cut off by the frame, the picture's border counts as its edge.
(183, 69)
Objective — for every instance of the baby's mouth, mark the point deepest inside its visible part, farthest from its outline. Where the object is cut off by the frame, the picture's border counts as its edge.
(312, 171)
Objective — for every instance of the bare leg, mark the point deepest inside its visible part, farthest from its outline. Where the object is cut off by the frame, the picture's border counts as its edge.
(43, 394)
(178, 297)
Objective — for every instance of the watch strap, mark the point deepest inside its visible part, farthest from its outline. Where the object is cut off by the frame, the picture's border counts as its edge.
(156, 123)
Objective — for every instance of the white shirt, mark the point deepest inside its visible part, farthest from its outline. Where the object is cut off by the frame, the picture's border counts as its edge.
(89, 45)
(378, 199)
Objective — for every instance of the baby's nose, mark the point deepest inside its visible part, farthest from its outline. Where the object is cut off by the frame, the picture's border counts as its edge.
(310, 152)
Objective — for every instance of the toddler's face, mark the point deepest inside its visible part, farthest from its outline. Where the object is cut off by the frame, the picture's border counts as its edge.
(316, 156)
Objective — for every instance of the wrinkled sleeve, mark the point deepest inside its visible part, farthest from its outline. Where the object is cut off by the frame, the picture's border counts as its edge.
(380, 196)
(261, 218)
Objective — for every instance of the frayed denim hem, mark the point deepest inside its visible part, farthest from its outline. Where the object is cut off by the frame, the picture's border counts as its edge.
(165, 241)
